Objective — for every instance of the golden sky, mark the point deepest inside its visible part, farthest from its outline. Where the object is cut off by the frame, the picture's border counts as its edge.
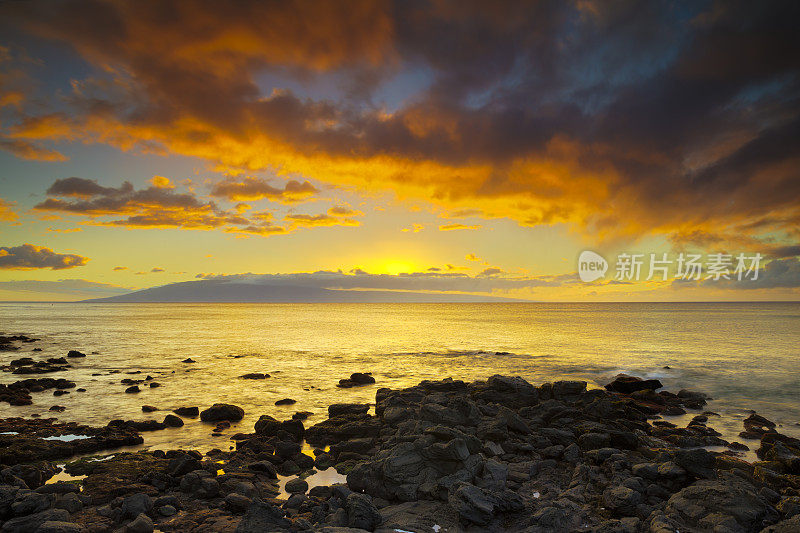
(424, 146)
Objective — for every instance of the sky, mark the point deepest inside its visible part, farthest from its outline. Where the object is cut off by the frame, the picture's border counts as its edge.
(470, 147)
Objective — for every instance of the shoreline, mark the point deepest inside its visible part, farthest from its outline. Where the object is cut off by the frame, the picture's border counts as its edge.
(494, 455)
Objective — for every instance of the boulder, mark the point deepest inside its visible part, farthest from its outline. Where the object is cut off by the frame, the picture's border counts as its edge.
(472, 504)
(141, 524)
(296, 486)
(628, 384)
(346, 409)
(172, 421)
(361, 512)
(356, 379)
(187, 412)
(261, 517)
(622, 500)
(29, 523)
(730, 504)
(286, 401)
(237, 503)
(222, 411)
(136, 504)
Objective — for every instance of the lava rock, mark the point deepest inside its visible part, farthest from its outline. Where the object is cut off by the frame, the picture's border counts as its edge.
(222, 411)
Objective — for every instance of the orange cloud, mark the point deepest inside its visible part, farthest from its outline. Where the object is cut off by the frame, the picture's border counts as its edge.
(342, 211)
(28, 150)
(320, 220)
(161, 182)
(255, 189)
(29, 257)
(492, 128)
(415, 228)
(7, 214)
(454, 227)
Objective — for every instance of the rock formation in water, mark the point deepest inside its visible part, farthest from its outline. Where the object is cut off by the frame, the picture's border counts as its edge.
(494, 455)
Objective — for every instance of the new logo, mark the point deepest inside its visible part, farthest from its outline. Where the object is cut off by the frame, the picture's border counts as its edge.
(591, 266)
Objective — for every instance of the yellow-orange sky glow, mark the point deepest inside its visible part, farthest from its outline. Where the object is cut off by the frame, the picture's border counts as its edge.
(450, 146)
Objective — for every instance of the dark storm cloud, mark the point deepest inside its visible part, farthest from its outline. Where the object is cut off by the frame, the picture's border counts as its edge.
(779, 273)
(29, 256)
(153, 207)
(623, 117)
(84, 188)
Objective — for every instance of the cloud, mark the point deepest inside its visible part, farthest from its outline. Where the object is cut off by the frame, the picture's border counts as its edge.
(118, 268)
(156, 269)
(619, 119)
(158, 206)
(251, 189)
(320, 220)
(473, 257)
(71, 230)
(30, 151)
(414, 228)
(785, 251)
(29, 256)
(343, 211)
(778, 273)
(161, 182)
(7, 213)
(454, 227)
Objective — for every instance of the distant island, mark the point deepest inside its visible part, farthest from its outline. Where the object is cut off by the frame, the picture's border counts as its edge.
(225, 291)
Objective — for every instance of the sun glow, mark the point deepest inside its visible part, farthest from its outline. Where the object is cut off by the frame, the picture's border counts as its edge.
(396, 266)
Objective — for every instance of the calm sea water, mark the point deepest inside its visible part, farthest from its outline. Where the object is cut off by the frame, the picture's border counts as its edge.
(745, 355)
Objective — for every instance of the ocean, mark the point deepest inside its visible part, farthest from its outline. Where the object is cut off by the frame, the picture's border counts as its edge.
(745, 355)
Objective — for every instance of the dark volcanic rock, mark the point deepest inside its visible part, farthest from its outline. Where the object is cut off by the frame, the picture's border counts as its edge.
(255, 375)
(30, 442)
(628, 384)
(495, 455)
(222, 411)
(347, 409)
(261, 517)
(188, 412)
(18, 393)
(361, 512)
(286, 401)
(172, 421)
(356, 379)
(31, 522)
(716, 505)
(75, 353)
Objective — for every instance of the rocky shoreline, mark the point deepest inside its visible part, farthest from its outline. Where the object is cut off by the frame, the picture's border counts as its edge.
(494, 455)
(442, 456)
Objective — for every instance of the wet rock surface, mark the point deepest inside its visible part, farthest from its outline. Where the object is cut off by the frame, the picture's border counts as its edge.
(494, 455)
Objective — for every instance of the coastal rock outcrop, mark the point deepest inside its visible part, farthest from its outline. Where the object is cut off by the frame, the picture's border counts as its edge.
(222, 411)
(495, 455)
